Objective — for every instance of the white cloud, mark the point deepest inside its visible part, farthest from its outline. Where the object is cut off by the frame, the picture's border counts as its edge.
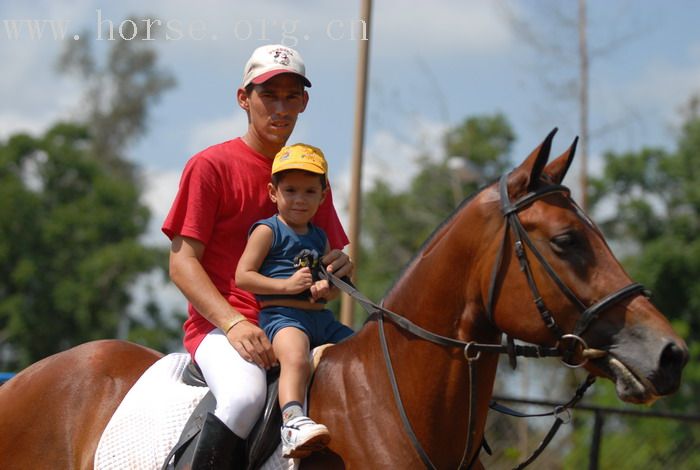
(395, 160)
(14, 123)
(390, 158)
(160, 190)
(217, 130)
(443, 28)
(665, 86)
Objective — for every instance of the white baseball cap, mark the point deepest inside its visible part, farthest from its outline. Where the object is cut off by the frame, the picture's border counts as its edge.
(274, 59)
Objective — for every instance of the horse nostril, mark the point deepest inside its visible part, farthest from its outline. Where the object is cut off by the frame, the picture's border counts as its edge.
(667, 377)
(673, 357)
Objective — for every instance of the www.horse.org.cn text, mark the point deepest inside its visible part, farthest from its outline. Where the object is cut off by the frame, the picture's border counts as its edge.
(288, 32)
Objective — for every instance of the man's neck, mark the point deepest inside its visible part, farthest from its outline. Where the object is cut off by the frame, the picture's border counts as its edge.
(269, 150)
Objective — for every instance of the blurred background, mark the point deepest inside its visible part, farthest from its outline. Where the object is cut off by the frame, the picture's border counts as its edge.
(102, 104)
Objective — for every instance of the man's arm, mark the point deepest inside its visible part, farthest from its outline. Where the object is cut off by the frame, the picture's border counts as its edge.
(187, 273)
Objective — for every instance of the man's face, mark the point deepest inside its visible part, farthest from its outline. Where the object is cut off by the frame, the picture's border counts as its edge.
(273, 108)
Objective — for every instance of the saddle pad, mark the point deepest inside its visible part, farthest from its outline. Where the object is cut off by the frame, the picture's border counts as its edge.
(148, 422)
(150, 418)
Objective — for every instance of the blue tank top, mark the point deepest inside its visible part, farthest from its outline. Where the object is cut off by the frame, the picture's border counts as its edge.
(286, 246)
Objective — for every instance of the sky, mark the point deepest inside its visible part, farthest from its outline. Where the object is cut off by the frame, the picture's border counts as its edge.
(432, 64)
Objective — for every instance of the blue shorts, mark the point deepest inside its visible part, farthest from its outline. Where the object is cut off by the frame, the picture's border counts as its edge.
(319, 325)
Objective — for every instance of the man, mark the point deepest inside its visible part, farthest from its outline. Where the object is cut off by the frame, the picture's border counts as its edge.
(223, 191)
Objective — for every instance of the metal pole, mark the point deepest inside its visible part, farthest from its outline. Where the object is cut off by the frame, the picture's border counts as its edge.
(347, 305)
(594, 452)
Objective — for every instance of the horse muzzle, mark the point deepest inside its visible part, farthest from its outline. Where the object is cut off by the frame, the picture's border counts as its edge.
(643, 367)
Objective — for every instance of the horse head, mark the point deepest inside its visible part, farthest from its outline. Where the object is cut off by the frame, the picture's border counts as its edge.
(554, 281)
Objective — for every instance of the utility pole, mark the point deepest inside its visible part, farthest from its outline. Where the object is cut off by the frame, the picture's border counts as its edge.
(583, 101)
(347, 304)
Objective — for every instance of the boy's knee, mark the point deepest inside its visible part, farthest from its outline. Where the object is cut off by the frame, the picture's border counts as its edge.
(297, 361)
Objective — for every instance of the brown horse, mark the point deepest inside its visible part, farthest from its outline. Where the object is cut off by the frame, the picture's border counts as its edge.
(466, 284)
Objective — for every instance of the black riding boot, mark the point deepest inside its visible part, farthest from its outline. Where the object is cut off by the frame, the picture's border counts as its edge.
(217, 447)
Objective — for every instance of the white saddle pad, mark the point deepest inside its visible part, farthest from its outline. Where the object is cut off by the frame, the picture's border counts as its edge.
(150, 419)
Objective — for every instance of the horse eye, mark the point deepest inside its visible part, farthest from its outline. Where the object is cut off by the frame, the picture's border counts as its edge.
(562, 242)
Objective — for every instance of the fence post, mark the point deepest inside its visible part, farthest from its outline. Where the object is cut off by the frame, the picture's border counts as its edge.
(594, 453)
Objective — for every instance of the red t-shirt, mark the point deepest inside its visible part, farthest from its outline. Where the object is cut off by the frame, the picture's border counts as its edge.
(223, 191)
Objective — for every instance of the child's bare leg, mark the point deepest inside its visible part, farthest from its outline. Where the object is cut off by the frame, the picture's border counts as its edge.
(300, 435)
(291, 347)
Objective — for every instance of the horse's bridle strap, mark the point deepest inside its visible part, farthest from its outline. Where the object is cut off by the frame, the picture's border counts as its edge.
(589, 313)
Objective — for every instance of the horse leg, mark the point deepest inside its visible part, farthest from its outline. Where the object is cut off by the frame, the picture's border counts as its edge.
(54, 411)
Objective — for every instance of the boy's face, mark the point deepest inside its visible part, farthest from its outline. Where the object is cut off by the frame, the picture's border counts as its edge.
(273, 108)
(298, 195)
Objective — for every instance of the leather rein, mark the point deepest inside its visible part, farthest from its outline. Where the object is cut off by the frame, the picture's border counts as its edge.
(473, 350)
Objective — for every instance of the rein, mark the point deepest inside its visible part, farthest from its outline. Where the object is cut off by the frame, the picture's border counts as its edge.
(473, 350)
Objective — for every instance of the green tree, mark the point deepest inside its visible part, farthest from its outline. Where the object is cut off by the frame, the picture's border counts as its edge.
(396, 223)
(71, 217)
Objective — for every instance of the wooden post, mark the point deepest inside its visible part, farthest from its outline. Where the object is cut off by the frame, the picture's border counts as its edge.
(583, 102)
(347, 304)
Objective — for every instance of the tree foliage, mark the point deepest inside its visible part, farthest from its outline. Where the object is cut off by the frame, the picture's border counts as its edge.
(71, 215)
(397, 222)
(118, 93)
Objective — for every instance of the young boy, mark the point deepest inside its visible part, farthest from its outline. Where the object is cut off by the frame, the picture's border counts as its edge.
(293, 315)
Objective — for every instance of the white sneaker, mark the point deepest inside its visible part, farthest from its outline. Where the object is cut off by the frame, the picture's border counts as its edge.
(301, 436)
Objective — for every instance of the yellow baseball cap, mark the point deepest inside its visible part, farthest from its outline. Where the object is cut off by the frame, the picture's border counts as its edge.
(300, 157)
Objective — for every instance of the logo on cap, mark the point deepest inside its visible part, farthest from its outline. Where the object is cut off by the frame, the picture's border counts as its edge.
(271, 60)
(300, 157)
(281, 56)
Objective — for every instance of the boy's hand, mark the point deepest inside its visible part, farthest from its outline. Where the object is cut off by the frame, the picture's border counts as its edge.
(320, 290)
(300, 281)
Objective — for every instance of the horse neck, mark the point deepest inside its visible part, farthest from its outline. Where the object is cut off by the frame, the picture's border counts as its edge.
(441, 292)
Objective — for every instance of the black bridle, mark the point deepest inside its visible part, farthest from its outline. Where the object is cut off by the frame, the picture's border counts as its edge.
(521, 239)
(472, 350)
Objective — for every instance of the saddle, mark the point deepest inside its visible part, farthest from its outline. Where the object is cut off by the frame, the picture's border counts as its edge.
(262, 441)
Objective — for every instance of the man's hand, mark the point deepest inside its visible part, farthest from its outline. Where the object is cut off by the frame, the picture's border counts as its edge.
(338, 263)
(252, 344)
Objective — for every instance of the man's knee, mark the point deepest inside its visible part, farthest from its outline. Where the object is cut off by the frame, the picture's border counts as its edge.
(248, 397)
(241, 410)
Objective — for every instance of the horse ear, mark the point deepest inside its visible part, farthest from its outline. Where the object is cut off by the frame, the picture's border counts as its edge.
(526, 177)
(557, 169)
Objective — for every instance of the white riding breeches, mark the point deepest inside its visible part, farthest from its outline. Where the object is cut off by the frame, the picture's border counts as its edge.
(239, 386)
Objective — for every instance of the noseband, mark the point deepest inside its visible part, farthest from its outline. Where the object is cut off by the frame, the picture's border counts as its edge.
(472, 350)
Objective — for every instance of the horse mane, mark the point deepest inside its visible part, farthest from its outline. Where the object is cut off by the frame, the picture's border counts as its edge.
(434, 233)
